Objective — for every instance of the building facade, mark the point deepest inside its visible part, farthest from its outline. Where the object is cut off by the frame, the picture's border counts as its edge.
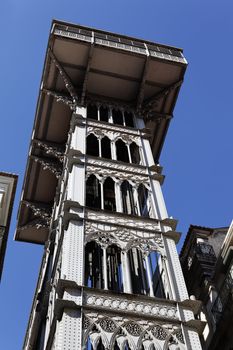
(8, 184)
(110, 276)
(207, 263)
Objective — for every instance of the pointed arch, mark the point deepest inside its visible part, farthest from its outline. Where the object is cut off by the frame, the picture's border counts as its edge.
(106, 148)
(88, 344)
(138, 272)
(93, 265)
(128, 204)
(109, 194)
(143, 200)
(93, 192)
(135, 154)
(92, 145)
(114, 268)
(100, 345)
(122, 151)
(157, 272)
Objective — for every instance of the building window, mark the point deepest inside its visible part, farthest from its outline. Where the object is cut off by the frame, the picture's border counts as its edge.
(93, 265)
(143, 200)
(157, 274)
(92, 145)
(93, 192)
(106, 148)
(92, 112)
(103, 112)
(117, 117)
(122, 151)
(129, 120)
(137, 272)
(114, 269)
(109, 194)
(128, 205)
(134, 152)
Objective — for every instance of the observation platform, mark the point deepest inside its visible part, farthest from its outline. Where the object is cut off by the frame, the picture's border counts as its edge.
(81, 65)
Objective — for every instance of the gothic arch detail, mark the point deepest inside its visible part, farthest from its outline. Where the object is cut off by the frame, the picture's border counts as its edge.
(119, 334)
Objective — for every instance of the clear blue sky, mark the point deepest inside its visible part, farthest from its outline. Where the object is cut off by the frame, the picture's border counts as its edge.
(197, 155)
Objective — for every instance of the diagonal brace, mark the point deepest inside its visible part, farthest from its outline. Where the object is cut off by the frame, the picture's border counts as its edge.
(152, 100)
(65, 76)
(60, 98)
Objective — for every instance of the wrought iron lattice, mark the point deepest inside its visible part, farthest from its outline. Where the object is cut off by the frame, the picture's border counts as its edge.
(107, 325)
(159, 333)
(179, 336)
(133, 329)
(86, 322)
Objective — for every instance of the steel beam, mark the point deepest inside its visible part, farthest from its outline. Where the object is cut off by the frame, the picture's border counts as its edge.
(143, 83)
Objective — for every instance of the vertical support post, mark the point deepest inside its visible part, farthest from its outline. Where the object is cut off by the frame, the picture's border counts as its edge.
(126, 273)
(129, 153)
(149, 277)
(119, 207)
(105, 273)
(174, 271)
(102, 194)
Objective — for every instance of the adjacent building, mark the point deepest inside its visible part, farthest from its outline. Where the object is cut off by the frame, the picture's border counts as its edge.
(110, 276)
(8, 184)
(207, 262)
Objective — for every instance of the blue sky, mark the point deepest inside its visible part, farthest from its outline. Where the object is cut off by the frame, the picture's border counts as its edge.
(197, 155)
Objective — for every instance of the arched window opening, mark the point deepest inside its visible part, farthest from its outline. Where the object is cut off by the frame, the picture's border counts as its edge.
(116, 347)
(134, 151)
(109, 195)
(122, 151)
(93, 265)
(157, 274)
(126, 346)
(88, 344)
(93, 192)
(114, 269)
(92, 145)
(117, 117)
(129, 119)
(143, 199)
(138, 272)
(92, 112)
(148, 345)
(103, 114)
(128, 205)
(100, 345)
(106, 148)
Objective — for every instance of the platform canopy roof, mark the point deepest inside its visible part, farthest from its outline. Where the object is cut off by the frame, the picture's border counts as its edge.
(85, 64)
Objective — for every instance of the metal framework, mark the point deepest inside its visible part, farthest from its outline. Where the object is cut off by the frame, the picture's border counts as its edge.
(110, 276)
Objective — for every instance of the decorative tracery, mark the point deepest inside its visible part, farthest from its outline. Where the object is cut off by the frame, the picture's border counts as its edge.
(107, 333)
